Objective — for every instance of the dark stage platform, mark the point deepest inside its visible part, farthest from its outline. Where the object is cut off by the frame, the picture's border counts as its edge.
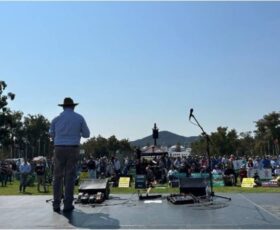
(244, 211)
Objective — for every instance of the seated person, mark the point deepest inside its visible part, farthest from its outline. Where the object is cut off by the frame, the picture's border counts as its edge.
(242, 173)
(229, 176)
(217, 170)
(257, 180)
(114, 179)
(171, 175)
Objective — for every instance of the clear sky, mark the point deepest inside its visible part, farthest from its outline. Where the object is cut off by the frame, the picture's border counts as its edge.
(131, 64)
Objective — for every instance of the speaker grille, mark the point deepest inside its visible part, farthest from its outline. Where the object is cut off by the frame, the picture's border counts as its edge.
(194, 186)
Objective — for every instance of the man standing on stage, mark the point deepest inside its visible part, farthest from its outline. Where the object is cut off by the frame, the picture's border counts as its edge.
(66, 131)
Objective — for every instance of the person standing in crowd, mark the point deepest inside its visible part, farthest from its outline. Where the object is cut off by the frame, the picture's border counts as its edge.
(126, 166)
(40, 171)
(66, 131)
(266, 162)
(91, 165)
(117, 166)
(250, 163)
(4, 173)
(258, 163)
(24, 169)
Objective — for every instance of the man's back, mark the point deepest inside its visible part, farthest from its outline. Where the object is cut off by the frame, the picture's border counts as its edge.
(68, 127)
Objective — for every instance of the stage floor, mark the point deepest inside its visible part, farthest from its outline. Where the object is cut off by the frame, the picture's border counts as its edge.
(244, 211)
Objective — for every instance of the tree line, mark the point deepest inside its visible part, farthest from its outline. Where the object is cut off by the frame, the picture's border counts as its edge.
(263, 141)
(27, 136)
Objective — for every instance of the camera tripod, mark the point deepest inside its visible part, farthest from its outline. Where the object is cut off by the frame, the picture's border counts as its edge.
(207, 138)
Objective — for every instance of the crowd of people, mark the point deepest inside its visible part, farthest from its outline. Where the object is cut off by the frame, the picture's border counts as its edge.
(166, 168)
(105, 167)
(40, 170)
(162, 169)
(26, 171)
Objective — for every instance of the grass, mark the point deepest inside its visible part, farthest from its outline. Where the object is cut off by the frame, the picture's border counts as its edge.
(13, 189)
(235, 189)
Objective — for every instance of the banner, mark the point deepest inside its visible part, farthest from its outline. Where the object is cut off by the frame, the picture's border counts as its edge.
(264, 174)
(218, 180)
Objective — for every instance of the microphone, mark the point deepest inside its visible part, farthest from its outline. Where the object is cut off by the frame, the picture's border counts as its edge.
(191, 111)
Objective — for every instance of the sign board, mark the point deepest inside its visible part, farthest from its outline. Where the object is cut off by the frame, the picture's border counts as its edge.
(247, 183)
(264, 174)
(180, 175)
(140, 181)
(200, 175)
(218, 180)
(124, 182)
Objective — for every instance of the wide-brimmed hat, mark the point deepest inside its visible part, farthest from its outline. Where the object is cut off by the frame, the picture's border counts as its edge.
(68, 101)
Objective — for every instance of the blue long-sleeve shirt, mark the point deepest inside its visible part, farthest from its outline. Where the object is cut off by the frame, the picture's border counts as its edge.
(25, 168)
(68, 128)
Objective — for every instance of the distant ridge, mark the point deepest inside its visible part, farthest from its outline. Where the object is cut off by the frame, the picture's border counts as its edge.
(166, 138)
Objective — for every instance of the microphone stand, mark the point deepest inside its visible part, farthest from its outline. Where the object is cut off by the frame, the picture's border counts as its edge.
(207, 138)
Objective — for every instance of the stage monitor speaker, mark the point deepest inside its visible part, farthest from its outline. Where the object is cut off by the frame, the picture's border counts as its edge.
(93, 186)
(194, 186)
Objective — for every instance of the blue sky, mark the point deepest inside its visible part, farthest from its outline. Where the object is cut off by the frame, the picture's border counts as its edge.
(131, 64)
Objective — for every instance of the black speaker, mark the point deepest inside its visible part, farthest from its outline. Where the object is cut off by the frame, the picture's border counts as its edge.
(194, 186)
(93, 186)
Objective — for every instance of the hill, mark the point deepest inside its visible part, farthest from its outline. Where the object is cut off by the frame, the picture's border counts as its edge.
(166, 138)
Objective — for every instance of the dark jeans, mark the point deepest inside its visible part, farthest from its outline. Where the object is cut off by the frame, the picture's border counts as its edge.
(65, 161)
(23, 182)
(3, 179)
(41, 181)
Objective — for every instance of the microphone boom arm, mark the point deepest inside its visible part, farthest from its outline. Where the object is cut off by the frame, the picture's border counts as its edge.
(208, 140)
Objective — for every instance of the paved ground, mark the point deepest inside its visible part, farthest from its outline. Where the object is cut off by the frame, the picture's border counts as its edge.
(244, 211)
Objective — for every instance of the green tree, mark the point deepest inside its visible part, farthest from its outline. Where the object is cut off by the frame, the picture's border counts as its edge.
(246, 144)
(36, 136)
(113, 145)
(124, 147)
(17, 133)
(100, 146)
(199, 147)
(5, 120)
(222, 142)
(268, 134)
